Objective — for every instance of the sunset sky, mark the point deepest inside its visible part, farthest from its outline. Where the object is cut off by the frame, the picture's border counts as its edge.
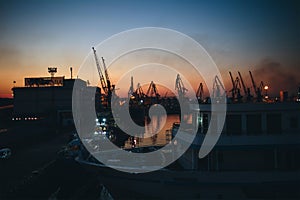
(261, 36)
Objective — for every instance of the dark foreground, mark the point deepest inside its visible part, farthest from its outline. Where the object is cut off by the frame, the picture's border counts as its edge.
(36, 169)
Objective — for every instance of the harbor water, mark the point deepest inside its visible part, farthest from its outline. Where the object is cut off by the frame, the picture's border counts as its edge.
(160, 125)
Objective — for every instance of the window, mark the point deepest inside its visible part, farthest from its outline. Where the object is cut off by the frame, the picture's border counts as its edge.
(234, 124)
(294, 122)
(254, 124)
(274, 124)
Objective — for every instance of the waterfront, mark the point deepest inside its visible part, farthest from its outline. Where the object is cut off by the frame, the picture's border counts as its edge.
(160, 139)
(38, 168)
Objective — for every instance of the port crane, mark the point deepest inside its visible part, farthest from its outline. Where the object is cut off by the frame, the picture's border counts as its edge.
(257, 90)
(152, 94)
(199, 93)
(179, 86)
(106, 85)
(110, 87)
(246, 90)
(236, 89)
(138, 95)
(131, 88)
(217, 87)
(139, 91)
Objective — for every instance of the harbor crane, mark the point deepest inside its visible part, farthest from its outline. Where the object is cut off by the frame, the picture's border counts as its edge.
(138, 96)
(246, 90)
(180, 87)
(218, 89)
(139, 93)
(236, 91)
(199, 93)
(257, 90)
(131, 88)
(102, 79)
(152, 90)
(106, 85)
(110, 87)
(152, 94)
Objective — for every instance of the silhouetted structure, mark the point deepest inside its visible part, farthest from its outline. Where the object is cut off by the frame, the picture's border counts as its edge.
(43, 100)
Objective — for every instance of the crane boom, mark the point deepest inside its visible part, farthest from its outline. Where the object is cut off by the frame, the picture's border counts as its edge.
(257, 89)
(253, 82)
(105, 70)
(232, 81)
(243, 84)
(102, 79)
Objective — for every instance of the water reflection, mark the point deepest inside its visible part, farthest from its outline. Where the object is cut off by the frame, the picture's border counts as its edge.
(155, 133)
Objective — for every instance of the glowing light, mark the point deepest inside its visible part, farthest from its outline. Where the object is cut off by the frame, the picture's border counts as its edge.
(266, 87)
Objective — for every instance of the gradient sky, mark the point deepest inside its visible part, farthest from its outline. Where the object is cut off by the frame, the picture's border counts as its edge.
(262, 36)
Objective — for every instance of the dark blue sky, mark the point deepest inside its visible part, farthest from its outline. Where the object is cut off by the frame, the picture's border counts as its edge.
(237, 34)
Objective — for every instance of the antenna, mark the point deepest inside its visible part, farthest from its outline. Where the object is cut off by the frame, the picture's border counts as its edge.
(71, 70)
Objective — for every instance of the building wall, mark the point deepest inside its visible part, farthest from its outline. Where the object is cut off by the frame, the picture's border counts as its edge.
(41, 101)
(49, 100)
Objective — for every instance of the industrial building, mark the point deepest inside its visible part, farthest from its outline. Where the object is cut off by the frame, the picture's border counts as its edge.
(48, 98)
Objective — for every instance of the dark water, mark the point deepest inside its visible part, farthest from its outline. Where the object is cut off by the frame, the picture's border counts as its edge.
(160, 125)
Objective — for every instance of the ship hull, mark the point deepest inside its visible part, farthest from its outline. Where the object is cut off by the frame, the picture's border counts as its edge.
(189, 184)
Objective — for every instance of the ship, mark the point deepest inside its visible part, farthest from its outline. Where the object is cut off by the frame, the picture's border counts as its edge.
(256, 156)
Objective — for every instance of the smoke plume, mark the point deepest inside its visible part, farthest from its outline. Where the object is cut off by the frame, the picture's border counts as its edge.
(277, 76)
